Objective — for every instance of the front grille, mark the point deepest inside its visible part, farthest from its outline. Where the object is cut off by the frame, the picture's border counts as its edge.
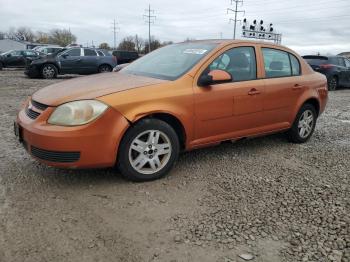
(39, 106)
(54, 156)
(31, 113)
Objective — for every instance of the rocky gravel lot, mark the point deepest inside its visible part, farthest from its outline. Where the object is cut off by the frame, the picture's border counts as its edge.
(266, 198)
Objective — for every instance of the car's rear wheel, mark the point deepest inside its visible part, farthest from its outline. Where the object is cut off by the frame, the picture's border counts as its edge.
(304, 124)
(105, 69)
(333, 83)
(49, 71)
(148, 150)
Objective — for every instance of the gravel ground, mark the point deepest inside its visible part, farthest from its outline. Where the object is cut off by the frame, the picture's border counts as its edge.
(263, 197)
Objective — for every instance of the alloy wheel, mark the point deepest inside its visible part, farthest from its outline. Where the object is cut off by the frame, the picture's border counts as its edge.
(305, 125)
(150, 151)
(48, 72)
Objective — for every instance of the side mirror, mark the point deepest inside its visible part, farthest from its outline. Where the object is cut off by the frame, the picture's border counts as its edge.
(216, 76)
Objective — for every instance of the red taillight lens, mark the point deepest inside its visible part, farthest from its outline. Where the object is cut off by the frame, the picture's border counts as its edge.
(326, 66)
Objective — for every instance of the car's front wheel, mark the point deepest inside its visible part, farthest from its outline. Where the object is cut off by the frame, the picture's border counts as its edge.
(304, 124)
(49, 71)
(148, 150)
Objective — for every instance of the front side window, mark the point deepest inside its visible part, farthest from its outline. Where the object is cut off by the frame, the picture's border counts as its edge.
(240, 62)
(100, 53)
(170, 62)
(89, 52)
(341, 61)
(276, 63)
(347, 63)
(16, 53)
(73, 52)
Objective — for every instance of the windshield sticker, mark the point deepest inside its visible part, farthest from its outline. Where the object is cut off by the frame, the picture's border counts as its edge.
(195, 51)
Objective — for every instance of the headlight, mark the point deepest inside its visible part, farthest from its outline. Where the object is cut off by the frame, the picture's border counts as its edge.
(77, 113)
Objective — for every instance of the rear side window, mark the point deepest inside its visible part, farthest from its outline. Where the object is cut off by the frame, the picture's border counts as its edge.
(276, 63)
(73, 52)
(240, 62)
(295, 65)
(347, 63)
(89, 52)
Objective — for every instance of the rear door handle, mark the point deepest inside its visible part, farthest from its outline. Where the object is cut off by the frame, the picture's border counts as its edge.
(253, 92)
(297, 87)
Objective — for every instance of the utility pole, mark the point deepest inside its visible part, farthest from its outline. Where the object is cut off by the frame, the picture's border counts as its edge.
(115, 28)
(150, 20)
(236, 11)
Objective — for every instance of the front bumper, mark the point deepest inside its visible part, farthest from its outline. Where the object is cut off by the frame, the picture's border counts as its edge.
(87, 146)
(32, 71)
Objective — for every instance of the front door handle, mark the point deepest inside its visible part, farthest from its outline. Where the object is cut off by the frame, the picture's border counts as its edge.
(297, 87)
(253, 92)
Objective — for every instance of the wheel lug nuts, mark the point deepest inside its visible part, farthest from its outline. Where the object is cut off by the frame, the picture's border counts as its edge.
(150, 146)
(145, 152)
(150, 156)
(155, 150)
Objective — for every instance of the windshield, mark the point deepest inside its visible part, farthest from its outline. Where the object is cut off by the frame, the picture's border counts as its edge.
(170, 62)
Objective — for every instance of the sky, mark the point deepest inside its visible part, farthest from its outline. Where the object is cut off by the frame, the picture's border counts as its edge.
(307, 26)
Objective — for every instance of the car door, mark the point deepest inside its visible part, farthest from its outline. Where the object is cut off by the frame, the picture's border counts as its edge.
(14, 59)
(234, 109)
(347, 65)
(29, 55)
(343, 71)
(89, 61)
(69, 61)
(284, 86)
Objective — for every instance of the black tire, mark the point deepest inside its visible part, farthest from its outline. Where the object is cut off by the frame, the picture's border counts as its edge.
(1, 66)
(125, 152)
(105, 69)
(294, 133)
(49, 71)
(332, 83)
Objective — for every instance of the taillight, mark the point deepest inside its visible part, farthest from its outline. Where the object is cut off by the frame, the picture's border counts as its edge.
(326, 66)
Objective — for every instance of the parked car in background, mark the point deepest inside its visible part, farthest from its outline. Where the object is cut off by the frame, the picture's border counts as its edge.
(48, 50)
(180, 97)
(17, 58)
(335, 68)
(71, 61)
(123, 57)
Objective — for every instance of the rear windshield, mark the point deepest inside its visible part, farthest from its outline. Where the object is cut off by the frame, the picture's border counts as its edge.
(316, 60)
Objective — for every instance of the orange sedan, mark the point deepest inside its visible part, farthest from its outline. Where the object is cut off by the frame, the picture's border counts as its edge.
(180, 97)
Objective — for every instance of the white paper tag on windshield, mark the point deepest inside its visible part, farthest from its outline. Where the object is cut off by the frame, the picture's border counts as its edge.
(195, 51)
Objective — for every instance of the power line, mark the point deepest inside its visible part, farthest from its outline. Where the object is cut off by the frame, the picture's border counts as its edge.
(236, 11)
(150, 20)
(115, 28)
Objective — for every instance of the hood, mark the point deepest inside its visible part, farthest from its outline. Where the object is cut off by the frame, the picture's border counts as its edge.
(90, 87)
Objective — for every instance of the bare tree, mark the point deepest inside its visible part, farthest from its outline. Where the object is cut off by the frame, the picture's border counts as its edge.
(42, 37)
(25, 34)
(104, 46)
(139, 43)
(127, 44)
(155, 44)
(62, 37)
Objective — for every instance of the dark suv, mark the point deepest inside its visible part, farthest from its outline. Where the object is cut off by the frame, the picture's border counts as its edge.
(17, 58)
(72, 61)
(124, 57)
(335, 68)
